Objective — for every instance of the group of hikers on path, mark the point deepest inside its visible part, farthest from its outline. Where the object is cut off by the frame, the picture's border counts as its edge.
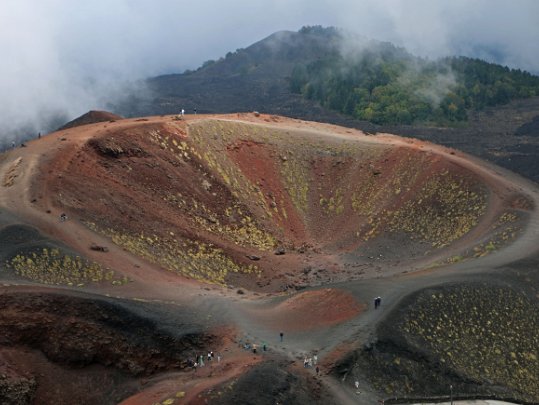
(312, 362)
(199, 361)
(253, 347)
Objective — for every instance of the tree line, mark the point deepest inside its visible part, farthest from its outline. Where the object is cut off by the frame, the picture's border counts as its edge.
(384, 84)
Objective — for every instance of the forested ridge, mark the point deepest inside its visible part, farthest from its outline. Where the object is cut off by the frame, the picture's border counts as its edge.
(384, 84)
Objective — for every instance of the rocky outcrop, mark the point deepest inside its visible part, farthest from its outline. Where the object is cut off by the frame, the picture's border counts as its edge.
(15, 390)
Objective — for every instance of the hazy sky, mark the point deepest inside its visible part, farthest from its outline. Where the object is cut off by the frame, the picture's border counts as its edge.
(71, 55)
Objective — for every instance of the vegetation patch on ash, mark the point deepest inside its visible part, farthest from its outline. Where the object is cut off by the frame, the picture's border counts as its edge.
(271, 382)
(27, 254)
(482, 338)
(78, 332)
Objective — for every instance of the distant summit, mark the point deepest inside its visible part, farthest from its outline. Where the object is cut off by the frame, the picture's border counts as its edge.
(91, 117)
(254, 78)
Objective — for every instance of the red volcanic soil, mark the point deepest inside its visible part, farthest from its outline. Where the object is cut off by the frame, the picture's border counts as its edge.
(205, 218)
(310, 310)
(258, 162)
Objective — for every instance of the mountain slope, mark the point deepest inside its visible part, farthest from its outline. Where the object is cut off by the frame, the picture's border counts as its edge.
(255, 78)
(91, 117)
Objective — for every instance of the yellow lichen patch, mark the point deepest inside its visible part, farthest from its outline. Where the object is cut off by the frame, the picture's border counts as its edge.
(50, 266)
(189, 258)
(244, 233)
(445, 209)
(375, 191)
(333, 204)
(175, 144)
(482, 332)
(505, 233)
(295, 176)
(211, 154)
(506, 218)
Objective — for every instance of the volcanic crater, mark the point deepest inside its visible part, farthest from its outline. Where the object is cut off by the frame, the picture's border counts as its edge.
(244, 203)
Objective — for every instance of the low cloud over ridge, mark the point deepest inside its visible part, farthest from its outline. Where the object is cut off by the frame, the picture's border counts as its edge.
(64, 58)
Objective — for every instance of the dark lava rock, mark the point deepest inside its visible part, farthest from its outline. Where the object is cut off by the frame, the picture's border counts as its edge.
(78, 332)
(279, 251)
(99, 248)
(529, 129)
(17, 390)
(272, 383)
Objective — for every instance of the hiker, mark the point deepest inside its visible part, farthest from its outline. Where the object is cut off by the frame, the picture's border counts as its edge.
(281, 335)
(317, 370)
(315, 359)
(264, 347)
(209, 357)
(183, 112)
(254, 348)
(376, 303)
(39, 135)
(379, 301)
(305, 362)
(218, 358)
(63, 217)
(195, 111)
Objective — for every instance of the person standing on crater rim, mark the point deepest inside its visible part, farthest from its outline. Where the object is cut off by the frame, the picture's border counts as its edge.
(281, 336)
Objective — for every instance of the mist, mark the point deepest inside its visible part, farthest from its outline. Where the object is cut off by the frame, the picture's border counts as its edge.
(62, 58)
